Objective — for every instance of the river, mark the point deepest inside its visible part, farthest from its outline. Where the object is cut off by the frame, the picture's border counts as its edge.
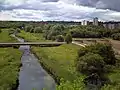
(32, 76)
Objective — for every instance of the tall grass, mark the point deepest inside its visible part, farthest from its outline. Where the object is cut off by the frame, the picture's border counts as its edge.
(9, 63)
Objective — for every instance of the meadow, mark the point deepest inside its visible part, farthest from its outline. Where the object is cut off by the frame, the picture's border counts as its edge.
(31, 37)
(5, 37)
(9, 63)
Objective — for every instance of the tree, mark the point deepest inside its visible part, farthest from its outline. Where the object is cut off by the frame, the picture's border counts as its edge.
(38, 30)
(95, 60)
(104, 50)
(28, 28)
(116, 36)
(68, 38)
(18, 30)
(60, 38)
(11, 31)
(53, 38)
(90, 63)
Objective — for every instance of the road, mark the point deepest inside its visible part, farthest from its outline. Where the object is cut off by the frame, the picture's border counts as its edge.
(116, 45)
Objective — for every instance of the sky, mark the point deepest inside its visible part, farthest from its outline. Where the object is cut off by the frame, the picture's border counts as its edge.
(59, 10)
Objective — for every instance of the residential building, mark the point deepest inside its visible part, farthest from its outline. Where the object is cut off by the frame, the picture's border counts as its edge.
(112, 25)
(85, 22)
(95, 21)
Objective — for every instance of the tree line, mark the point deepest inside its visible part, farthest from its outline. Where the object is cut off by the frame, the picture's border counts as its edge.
(51, 29)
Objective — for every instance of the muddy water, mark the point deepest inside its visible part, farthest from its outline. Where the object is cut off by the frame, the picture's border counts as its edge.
(32, 76)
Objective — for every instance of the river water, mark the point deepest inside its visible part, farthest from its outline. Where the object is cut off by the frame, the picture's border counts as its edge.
(32, 76)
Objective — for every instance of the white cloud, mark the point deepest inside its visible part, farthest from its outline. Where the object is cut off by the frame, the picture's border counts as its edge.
(57, 10)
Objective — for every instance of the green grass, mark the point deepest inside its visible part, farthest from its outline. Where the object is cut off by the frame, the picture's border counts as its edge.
(60, 59)
(9, 63)
(5, 37)
(115, 80)
(9, 67)
(33, 37)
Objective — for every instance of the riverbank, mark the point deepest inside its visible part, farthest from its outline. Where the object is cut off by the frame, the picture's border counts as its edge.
(9, 64)
(9, 68)
(31, 37)
(57, 61)
(5, 37)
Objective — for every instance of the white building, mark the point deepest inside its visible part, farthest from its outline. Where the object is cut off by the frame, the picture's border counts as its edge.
(85, 22)
(95, 21)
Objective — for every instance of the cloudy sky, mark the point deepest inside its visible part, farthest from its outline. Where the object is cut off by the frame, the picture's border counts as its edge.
(67, 10)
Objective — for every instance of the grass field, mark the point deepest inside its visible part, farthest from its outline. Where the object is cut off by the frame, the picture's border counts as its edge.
(59, 59)
(9, 68)
(9, 63)
(5, 37)
(31, 36)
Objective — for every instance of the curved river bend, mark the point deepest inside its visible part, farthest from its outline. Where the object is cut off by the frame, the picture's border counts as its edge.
(32, 76)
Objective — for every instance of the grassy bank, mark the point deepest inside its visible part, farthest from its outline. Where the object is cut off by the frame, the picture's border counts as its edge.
(59, 61)
(31, 37)
(9, 63)
(9, 68)
(5, 37)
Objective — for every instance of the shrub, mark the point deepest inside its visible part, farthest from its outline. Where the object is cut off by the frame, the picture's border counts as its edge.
(38, 30)
(104, 50)
(95, 60)
(11, 31)
(68, 38)
(18, 30)
(53, 38)
(28, 28)
(60, 38)
(90, 63)
(116, 36)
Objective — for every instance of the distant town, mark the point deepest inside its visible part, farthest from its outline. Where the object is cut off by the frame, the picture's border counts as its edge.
(95, 22)
(108, 25)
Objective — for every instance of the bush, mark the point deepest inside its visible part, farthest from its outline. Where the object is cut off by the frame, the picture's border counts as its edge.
(68, 38)
(90, 63)
(51, 34)
(38, 30)
(53, 38)
(60, 38)
(18, 30)
(104, 50)
(28, 28)
(95, 60)
(0, 30)
(116, 36)
(11, 31)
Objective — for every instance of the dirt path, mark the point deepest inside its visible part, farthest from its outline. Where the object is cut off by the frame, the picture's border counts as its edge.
(116, 45)
(77, 43)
